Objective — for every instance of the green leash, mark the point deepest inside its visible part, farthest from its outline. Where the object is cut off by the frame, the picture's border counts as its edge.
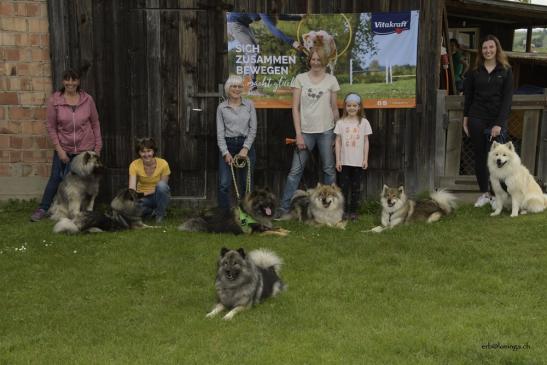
(239, 162)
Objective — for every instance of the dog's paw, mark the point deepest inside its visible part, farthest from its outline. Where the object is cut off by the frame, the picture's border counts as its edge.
(276, 232)
(513, 215)
(496, 213)
(216, 310)
(341, 225)
(147, 226)
(282, 232)
(228, 316)
(377, 229)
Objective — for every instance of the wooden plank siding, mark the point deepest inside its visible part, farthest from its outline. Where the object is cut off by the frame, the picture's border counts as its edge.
(151, 62)
(528, 122)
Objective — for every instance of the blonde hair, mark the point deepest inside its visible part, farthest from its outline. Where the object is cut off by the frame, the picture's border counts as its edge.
(323, 57)
(501, 57)
(232, 80)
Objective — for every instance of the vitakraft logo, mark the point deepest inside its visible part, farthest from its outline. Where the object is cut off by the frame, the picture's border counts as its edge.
(389, 23)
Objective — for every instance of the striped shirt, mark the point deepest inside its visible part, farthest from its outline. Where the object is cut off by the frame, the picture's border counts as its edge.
(236, 122)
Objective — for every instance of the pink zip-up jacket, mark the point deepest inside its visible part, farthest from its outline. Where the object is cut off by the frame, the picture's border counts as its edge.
(75, 131)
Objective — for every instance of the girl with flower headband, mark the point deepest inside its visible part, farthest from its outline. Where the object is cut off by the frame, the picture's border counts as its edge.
(352, 146)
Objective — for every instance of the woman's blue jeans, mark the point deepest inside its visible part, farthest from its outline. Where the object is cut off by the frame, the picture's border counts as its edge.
(324, 142)
(234, 144)
(156, 203)
(58, 171)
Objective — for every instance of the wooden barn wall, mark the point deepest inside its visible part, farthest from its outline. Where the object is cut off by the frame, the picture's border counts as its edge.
(150, 63)
(500, 30)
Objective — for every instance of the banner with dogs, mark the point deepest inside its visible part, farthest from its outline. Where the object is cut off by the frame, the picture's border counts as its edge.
(372, 54)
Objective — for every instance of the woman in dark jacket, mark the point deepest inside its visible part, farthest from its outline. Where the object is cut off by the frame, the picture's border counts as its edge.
(488, 96)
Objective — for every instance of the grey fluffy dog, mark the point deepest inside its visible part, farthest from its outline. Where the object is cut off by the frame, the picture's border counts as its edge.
(253, 215)
(126, 213)
(79, 188)
(398, 209)
(322, 205)
(244, 280)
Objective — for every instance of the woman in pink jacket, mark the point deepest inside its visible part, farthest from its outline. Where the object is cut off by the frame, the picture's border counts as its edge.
(73, 127)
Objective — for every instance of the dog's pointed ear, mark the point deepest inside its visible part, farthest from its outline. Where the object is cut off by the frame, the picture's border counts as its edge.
(401, 189)
(494, 144)
(241, 251)
(127, 194)
(132, 194)
(384, 188)
(510, 146)
(223, 251)
(318, 185)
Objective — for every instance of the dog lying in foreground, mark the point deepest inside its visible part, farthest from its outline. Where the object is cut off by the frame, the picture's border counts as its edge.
(253, 215)
(126, 214)
(79, 188)
(398, 209)
(245, 279)
(512, 183)
(322, 205)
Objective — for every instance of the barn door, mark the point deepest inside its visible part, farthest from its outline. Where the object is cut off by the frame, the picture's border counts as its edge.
(183, 71)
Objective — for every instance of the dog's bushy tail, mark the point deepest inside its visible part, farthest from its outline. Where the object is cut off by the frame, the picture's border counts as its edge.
(65, 225)
(536, 203)
(194, 225)
(445, 200)
(265, 259)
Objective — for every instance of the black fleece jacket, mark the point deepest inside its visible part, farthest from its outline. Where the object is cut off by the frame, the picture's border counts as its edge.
(488, 96)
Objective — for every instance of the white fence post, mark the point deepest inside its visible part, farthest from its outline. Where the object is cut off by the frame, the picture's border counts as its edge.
(351, 71)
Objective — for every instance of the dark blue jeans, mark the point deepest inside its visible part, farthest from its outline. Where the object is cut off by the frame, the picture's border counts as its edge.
(235, 145)
(323, 141)
(156, 203)
(481, 147)
(58, 171)
(350, 182)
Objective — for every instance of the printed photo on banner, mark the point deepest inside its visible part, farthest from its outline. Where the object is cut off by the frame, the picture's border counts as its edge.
(372, 54)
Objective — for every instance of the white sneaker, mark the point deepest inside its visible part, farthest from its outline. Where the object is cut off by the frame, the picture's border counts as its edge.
(482, 200)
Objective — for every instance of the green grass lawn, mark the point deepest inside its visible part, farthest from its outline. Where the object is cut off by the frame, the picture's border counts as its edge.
(405, 88)
(420, 294)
